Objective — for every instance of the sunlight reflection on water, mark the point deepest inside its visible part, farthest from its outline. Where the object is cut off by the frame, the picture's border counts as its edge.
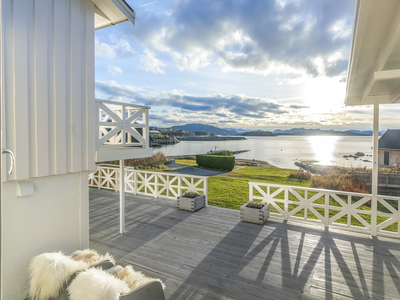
(323, 148)
(284, 151)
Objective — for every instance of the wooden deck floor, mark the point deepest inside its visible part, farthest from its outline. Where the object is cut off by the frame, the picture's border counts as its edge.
(209, 254)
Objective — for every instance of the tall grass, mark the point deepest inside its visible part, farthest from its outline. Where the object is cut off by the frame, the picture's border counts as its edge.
(155, 161)
(341, 182)
(301, 175)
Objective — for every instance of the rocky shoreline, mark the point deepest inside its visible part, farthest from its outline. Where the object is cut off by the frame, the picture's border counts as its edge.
(210, 138)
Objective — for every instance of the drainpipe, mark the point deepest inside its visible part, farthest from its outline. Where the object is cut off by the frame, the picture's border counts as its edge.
(374, 183)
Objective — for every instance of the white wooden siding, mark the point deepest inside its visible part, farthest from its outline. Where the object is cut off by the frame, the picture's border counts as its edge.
(49, 107)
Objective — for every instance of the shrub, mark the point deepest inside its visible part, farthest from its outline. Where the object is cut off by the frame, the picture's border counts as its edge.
(156, 160)
(341, 182)
(254, 204)
(222, 153)
(216, 161)
(300, 174)
(191, 194)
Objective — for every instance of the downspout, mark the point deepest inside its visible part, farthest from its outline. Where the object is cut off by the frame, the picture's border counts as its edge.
(374, 180)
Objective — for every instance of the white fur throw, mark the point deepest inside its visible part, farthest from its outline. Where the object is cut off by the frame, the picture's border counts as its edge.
(49, 271)
(96, 284)
(135, 279)
(92, 257)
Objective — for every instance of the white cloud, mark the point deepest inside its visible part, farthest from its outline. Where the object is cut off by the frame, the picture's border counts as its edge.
(177, 107)
(117, 48)
(150, 63)
(104, 50)
(258, 36)
(114, 70)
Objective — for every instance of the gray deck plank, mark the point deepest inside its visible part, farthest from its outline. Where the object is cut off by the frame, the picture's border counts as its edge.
(210, 254)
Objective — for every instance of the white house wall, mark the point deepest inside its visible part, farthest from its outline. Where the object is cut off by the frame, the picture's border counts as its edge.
(54, 218)
(49, 103)
(394, 157)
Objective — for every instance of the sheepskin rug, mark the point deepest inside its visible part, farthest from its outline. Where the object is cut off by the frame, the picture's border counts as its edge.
(135, 279)
(92, 257)
(49, 271)
(96, 284)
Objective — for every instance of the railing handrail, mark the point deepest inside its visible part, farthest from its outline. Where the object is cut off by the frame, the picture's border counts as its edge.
(318, 203)
(122, 103)
(150, 172)
(156, 184)
(174, 174)
(321, 190)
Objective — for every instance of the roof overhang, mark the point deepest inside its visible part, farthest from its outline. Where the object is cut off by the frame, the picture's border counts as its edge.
(111, 12)
(374, 67)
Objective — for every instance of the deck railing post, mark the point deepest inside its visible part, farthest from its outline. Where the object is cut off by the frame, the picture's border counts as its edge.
(349, 200)
(250, 191)
(305, 205)
(97, 120)
(286, 204)
(206, 189)
(146, 134)
(155, 186)
(326, 215)
(122, 196)
(179, 185)
(374, 183)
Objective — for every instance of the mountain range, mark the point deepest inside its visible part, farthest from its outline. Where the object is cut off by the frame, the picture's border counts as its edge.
(293, 131)
(203, 127)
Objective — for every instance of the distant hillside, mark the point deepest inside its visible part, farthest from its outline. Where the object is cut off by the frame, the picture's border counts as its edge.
(305, 131)
(258, 133)
(175, 132)
(202, 127)
(235, 130)
(231, 131)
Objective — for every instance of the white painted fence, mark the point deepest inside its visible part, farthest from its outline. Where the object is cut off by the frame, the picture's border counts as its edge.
(122, 124)
(343, 210)
(155, 184)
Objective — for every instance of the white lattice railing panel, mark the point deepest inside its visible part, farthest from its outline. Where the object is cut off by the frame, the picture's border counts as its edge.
(122, 124)
(388, 215)
(155, 184)
(105, 177)
(344, 210)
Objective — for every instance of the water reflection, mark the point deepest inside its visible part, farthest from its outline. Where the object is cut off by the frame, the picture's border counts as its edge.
(284, 151)
(323, 148)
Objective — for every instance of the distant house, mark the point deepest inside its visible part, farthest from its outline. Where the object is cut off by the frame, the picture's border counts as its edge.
(389, 148)
(154, 132)
(201, 133)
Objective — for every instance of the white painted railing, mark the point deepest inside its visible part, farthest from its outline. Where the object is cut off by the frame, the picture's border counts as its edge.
(344, 210)
(122, 124)
(155, 184)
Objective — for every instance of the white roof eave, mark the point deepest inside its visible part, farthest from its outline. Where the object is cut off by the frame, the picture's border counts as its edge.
(373, 75)
(111, 12)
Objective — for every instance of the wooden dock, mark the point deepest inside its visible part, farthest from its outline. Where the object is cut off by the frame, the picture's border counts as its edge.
(211, 255)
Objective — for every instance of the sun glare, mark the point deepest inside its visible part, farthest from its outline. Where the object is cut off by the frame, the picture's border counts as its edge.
(324, 94)
(323, 148)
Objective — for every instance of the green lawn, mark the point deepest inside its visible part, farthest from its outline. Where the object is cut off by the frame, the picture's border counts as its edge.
(231, 190)
(186, 162)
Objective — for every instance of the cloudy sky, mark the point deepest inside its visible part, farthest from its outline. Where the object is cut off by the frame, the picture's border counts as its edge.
(255, 64)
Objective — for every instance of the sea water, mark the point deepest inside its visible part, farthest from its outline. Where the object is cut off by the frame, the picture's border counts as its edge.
(284, 151)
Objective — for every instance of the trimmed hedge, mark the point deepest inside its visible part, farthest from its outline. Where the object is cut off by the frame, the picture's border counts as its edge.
(222, 153)
(216, 161)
